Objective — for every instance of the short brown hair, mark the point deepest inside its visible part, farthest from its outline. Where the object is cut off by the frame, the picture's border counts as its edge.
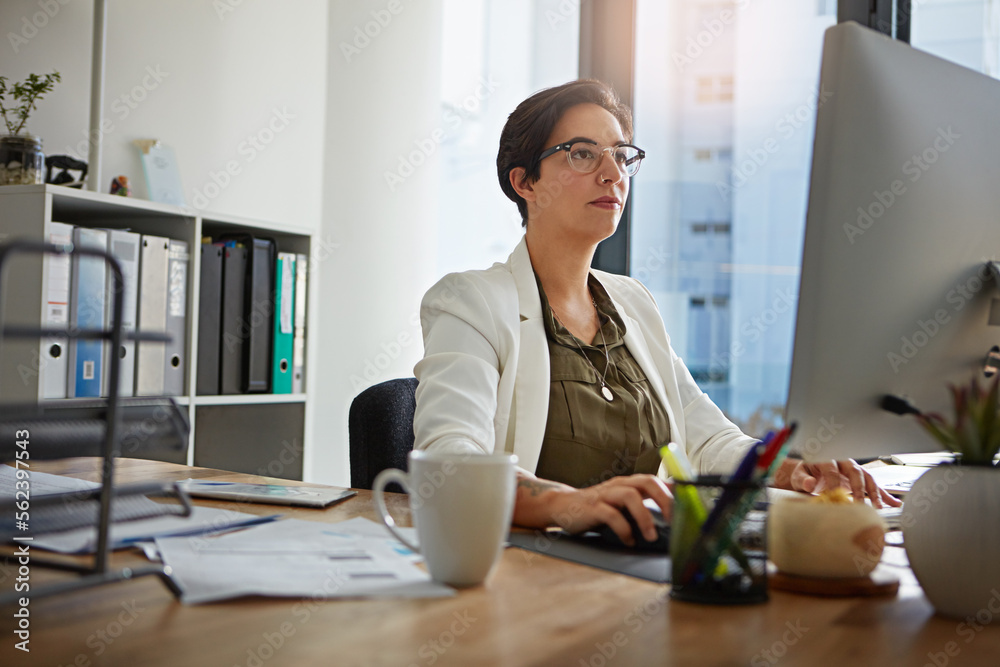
(529, 126)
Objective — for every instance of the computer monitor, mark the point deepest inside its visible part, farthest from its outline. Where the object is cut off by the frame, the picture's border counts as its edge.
(904, 213)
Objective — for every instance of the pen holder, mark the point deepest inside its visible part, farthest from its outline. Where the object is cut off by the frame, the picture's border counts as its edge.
(717, 555)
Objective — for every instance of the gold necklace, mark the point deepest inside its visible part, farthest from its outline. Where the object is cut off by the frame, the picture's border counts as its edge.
(605, 391)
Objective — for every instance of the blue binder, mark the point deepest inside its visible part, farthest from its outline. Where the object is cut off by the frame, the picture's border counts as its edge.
(86, 312)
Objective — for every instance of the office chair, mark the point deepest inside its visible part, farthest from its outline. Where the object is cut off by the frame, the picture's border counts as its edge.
(380, 424)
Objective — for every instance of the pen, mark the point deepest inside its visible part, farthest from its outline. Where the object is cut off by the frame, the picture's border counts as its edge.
(782, 449)
(682, 460)
(709, 546)
(675, 460)
(773, 453)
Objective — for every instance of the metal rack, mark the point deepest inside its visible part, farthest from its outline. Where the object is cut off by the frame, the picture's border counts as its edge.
(106, 416)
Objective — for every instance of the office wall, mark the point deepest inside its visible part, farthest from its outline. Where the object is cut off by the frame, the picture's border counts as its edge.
(380, 232)
(220, 82)
(361, 79)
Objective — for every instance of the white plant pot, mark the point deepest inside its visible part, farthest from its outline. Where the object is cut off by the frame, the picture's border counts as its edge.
(951, 528)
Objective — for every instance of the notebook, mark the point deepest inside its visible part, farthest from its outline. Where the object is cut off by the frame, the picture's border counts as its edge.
(273, 494)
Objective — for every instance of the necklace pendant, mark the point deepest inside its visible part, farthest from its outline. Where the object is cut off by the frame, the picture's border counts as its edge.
(607, 394)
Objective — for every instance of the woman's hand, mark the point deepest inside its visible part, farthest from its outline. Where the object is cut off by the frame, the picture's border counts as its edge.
(541, 503)
(815, 477)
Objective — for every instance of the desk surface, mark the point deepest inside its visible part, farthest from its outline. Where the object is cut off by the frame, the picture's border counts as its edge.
(535, 610)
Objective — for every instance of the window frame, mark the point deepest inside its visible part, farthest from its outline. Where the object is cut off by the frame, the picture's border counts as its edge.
(890, 17)
(607, 52)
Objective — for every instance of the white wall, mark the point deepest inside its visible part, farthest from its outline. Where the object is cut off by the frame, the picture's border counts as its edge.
(383, 103)
(199, 77)
(357, 114)
(62, 42)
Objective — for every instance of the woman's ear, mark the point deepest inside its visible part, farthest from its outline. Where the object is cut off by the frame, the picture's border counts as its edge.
(521, 185)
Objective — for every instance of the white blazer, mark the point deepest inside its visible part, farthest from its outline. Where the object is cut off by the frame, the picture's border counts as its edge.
(484, 378)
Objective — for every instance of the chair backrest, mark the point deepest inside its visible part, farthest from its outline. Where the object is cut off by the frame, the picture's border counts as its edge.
(380, 424)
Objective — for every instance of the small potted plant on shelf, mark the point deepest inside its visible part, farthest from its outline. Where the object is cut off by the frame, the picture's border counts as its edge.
(951, 516)
(22, 161)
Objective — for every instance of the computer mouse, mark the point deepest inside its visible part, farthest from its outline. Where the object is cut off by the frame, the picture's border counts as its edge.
(606, 536)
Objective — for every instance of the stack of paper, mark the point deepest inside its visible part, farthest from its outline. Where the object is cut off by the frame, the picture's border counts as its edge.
(128, 512)
(294, 558)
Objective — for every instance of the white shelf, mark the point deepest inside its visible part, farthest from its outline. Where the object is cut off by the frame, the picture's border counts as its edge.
(85, 201)
(249, 399)
(244, 432)
(73, 202)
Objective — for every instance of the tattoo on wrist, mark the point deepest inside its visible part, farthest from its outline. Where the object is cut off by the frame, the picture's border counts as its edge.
(534, 486)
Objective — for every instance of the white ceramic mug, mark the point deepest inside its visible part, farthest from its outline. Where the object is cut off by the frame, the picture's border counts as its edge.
(462, 506)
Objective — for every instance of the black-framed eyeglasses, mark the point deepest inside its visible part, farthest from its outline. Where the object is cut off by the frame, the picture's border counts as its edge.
(586, 156)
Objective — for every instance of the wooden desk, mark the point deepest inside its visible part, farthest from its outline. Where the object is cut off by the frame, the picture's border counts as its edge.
(536, 610)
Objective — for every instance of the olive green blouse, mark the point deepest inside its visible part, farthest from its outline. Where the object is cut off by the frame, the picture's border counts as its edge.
(589, 439)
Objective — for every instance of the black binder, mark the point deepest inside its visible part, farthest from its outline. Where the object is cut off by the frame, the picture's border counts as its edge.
(259, 317)
(234, 270)
(256, 327)
(209, 320)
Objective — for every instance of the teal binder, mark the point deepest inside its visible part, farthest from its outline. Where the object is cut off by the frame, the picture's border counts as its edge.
(284, 323)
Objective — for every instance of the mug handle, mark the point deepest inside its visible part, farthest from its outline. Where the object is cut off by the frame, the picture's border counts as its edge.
(382, 480)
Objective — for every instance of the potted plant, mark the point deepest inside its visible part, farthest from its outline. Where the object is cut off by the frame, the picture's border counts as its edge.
(22, 161)
(951, 516)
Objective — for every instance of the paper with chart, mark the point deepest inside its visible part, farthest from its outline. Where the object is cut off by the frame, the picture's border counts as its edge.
(295, 558)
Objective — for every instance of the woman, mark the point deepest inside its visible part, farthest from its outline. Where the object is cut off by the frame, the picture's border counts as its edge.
(569, 368)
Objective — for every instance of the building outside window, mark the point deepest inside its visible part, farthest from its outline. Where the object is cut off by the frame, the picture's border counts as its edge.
(725, 103)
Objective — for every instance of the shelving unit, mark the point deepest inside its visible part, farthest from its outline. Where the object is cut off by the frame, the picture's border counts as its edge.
(254, 433)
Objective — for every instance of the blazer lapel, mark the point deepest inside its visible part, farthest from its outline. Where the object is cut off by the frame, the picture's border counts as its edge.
(531, 388)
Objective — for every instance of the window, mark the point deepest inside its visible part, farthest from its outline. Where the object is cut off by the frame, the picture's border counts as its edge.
(964, 31)
(826, 7)
(495, 54)
(742, 79)
(714, 89)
